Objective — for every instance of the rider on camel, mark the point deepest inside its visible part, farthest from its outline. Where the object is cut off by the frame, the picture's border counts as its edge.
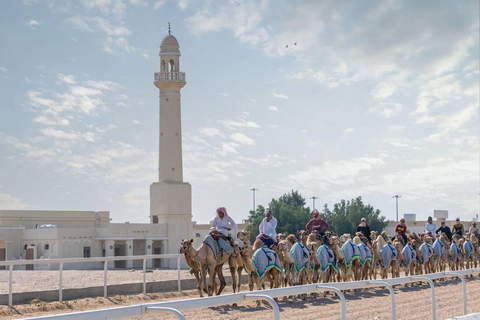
(268, 234)
(319, 226)
(224, 224)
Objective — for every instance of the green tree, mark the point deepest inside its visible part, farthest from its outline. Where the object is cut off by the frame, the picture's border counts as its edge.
(346, 215)
(289, 210)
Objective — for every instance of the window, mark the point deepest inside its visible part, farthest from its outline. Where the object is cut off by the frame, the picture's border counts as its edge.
(25, 247)
(47, 246)
(155, 219)
(197, 235)
(86, 252)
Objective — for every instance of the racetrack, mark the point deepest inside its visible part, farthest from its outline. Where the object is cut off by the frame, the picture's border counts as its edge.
(412, 303)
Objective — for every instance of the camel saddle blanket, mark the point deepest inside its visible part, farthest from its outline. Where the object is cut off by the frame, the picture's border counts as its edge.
(265, 259)
(438, 248)
(217, 247)
(301, 256)
(350, 252)
(455, 251)
(327, 258)
(410, 254)
(388, 253)
(469, 249)
(366, 254)
(426, 251)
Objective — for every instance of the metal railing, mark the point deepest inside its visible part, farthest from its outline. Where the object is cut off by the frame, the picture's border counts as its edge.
(177, 306)
(105, 260)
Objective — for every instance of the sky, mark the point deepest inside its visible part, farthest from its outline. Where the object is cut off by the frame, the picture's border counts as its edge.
(370, 98)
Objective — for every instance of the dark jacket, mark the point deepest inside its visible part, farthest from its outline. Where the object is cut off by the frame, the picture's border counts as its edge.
(445, 230)
(365, 230)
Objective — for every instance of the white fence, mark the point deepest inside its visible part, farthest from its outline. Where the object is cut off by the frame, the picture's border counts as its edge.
(105, 261)
(175, 307)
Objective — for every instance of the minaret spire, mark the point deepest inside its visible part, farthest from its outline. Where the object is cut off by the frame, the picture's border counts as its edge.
(169, 28)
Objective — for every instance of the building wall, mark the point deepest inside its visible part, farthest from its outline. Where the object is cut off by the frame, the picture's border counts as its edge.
(63, 219)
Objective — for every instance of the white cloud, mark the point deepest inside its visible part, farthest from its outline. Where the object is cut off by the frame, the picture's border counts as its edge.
(136, 195)
(349, 130)
(3, 69)
(241, 138)
(272, 108)
(32, 23)
(68, 79)
(242, 123)
(59, 134)
(158, 5)
(211, 132)
(383, 90)
(9, 202)
(52, 120)
(396, 127)
(223, 94)
(387, 109)
(229, 147)
(279, 95)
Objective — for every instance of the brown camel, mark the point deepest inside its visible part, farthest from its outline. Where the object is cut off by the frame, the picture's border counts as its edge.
(302, 236)
(272, 273)
(312, 245)
(205, 256)
(287, 262)
(194, 265)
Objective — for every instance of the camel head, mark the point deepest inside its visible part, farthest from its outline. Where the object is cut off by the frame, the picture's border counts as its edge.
(185, 245)
(373, 234)
(334, 241)
(345, 237)
(282, 246)
(302, 235)
(428, 240)
(473, 239)
(292, 238)
(243, 235)
(280, 236)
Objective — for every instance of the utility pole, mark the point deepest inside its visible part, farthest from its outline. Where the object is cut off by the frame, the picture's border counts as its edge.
(314, 198)
(396, 202)
(253, 189)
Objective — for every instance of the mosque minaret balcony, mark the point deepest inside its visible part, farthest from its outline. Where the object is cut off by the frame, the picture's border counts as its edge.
(170, 76)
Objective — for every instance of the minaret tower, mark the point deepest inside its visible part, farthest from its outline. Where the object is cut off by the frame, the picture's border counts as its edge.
(170, 197)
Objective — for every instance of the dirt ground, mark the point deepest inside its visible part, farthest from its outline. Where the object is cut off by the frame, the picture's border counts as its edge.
(412, 303)
(37, 280)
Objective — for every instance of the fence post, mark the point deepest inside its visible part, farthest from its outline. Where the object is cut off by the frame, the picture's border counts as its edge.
(60, 283)
(432, 286)
(178, 274)
(392, 295)
(105, 267)
(144, 276)
(343, 305)
(10, 281)
(464, 287)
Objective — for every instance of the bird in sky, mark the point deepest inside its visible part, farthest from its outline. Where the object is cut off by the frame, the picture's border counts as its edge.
(286, 46)
(295, 43)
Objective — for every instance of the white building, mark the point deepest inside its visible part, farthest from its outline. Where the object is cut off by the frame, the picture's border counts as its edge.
(65, 234)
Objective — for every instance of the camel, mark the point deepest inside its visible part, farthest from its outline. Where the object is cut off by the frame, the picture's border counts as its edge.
(366, 255)
(439, 255)
(410, 258)
(194, 265)
(206, 257)
(272, 271)
(328, 261)
(301, 257)
(286, 259)
(244, 236)
(456, 260)
(469, 251)
(312, 244)
(302, 235)
(388, 253)
(476, 251)
(344, 270)
(418, 265)
(281, 236)
(426, 253)
(448, 255)
(401, 257)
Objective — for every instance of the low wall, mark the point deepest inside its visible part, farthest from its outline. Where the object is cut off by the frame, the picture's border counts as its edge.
(114, 289)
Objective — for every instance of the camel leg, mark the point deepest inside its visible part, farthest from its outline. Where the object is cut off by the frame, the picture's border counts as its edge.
(197, 275)
(223, 283)
(239, 277)
(232, 263)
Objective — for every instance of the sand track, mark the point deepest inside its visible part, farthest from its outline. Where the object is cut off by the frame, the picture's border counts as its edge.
(412, 303)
